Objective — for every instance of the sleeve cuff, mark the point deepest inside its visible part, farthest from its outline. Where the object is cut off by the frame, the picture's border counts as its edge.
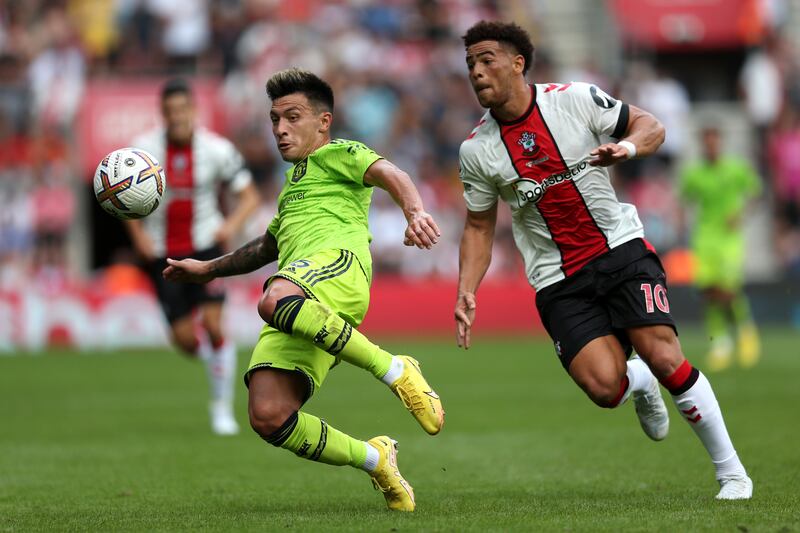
(622, 122)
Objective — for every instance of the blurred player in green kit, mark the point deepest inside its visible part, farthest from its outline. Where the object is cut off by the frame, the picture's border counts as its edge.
(719, 186)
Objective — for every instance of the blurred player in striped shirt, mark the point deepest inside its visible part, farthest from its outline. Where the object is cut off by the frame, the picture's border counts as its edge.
(190, 224)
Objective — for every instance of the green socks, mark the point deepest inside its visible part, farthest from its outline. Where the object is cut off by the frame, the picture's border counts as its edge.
(316, 322)
(312, 438)
(740, 311)
(716, 323)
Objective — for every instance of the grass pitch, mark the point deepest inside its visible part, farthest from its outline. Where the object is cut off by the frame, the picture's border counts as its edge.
(120, 441)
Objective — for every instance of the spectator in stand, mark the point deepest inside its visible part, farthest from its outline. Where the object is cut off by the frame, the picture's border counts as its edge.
(57, 73)
(186, 31)
(762, 86)
(668, 100)
(784, 157)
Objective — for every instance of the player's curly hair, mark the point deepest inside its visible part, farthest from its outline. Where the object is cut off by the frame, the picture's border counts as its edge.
(505, 33)
(296, 80)
(176, 86)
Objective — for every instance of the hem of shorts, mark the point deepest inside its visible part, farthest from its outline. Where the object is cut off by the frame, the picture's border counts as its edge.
(307, 290)
(565, 362)
(589, 338)
(653, 322)
(311, 385)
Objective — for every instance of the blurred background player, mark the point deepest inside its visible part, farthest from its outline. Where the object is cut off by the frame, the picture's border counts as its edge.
(720, 185)
(320, 294)
(189, 224)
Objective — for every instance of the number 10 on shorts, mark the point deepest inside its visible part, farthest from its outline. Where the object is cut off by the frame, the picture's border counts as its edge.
(657, 296)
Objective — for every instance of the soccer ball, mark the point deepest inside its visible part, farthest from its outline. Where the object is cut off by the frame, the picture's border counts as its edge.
(129, 183)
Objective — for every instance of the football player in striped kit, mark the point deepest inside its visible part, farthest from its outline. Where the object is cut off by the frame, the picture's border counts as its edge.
(600, 288)
(189, 224)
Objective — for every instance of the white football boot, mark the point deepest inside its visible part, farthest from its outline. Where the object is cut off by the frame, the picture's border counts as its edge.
(222, 420)
(738, 487)
(652, 412)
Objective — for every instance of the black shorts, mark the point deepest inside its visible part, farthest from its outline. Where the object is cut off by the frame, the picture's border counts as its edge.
(623, 288)
(179, 299)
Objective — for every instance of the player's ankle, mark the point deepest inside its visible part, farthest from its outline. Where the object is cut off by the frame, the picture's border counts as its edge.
(395, 371)
(730, 467)
(372, 459)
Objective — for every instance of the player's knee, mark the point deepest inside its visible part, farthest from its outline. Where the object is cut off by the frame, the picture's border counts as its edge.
(215, 334)
(269, 301)
(604, 392)
(663, 354)
(214, 330)
(267, 418)
(186, 343)
(266, 307)
(274, 295)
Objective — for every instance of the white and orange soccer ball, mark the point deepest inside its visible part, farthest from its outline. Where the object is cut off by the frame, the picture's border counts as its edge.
(129, 183)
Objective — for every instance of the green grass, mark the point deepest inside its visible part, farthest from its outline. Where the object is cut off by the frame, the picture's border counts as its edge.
(120, 441)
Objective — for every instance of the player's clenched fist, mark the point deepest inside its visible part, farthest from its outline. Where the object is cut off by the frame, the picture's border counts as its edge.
(422, 230)
(465, 314)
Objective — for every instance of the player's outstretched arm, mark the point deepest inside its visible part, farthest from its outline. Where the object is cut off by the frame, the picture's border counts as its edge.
(422, 230)
(475, 255)
(246, 203)
(642, 138)
(252, 256)
(141, 241)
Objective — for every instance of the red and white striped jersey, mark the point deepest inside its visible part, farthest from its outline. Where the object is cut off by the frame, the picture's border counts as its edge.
(190, 215)
(564, 211)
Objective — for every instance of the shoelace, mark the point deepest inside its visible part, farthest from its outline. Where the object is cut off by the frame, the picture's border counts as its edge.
(411, 401)
(378, 486)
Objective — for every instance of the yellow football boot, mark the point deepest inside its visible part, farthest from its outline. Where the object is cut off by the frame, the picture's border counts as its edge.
(749, 346)
(418, 397)
(387, 478)
(720, 355)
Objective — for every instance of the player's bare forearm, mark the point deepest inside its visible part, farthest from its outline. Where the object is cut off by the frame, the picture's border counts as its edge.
(246, 205)
(644, 131)
(141, 242)
(422, 230)
(475, 255)
(397, 183)
(642, 137)
(475, 252)
(252, 256)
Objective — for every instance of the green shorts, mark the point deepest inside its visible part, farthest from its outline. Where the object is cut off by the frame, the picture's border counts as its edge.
(333, 277)
(720, 262)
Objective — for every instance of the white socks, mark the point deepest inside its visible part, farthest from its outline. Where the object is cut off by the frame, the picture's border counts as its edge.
(395, 371)
(700, 408)
(639, 377)
(371, 462)
(221, 369)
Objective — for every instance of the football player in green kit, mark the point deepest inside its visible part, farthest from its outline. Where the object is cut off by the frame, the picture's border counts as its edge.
(720, 185)
(320, 294)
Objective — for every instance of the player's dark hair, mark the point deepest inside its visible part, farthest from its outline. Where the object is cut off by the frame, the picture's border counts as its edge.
(506, 33)
(176, 86)
(295, 80)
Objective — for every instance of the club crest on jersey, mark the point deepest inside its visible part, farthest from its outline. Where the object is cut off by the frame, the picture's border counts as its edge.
(528, 143)
(299, 170)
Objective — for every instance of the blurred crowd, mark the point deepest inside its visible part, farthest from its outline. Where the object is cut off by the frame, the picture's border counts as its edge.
(397, 69)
